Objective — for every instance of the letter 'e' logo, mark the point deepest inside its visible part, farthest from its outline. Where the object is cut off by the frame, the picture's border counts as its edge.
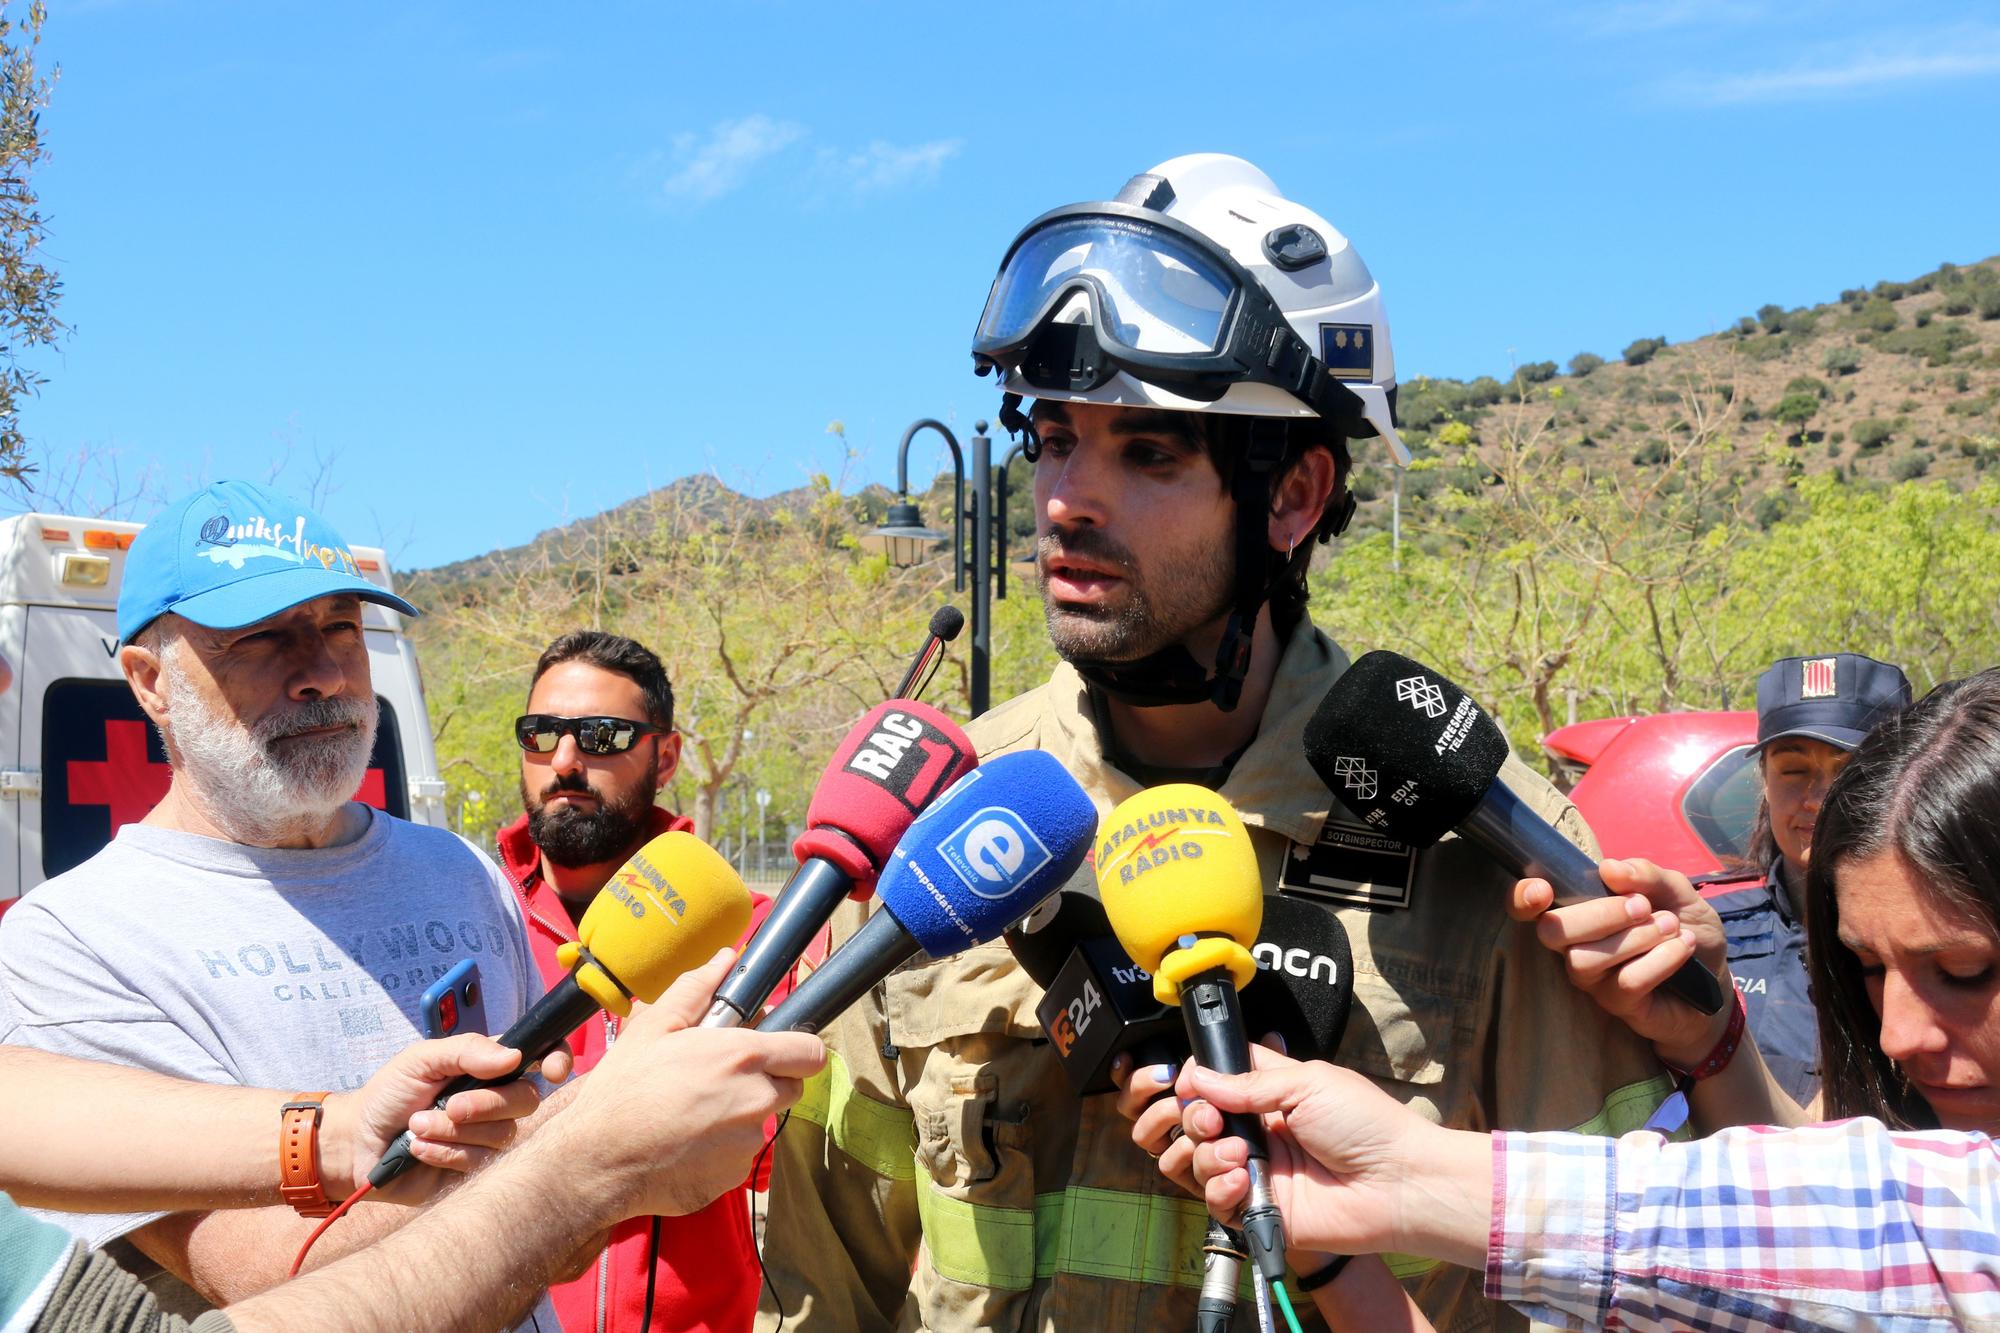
(994, 852)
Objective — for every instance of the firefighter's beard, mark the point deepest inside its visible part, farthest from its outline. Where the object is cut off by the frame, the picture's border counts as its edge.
(1145, 611)
(267, 783)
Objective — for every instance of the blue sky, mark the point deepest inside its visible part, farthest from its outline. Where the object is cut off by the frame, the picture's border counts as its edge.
(476, 269)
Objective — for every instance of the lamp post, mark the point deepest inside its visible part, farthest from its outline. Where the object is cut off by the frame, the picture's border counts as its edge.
(903, 537)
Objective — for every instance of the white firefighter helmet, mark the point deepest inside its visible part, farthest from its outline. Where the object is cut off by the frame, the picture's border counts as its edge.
(1200, 288)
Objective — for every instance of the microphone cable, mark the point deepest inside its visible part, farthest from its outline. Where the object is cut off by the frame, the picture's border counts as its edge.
(329, 1220)
(764, 1269)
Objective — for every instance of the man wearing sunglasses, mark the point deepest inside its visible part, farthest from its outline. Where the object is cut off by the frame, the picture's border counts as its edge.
(598, 746)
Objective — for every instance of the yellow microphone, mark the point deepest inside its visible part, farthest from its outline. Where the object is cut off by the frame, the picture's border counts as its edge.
(672, 907)
(1180, 886)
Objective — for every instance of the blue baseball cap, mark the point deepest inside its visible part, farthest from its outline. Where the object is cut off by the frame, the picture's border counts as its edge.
(233, 554)
(1836, 698)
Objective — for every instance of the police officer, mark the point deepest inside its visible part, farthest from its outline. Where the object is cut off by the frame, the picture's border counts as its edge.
(1811, 713)
(1198, 353)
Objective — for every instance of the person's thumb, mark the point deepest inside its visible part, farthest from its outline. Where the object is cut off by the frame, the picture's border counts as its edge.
(692, 993)
(471, 1053)
(1275, 1087)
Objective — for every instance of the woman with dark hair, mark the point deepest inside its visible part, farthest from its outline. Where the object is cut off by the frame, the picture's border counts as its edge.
(1904, 888)
(1880, 1220)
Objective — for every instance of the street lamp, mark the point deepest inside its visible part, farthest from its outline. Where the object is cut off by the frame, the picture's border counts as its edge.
(904, 539)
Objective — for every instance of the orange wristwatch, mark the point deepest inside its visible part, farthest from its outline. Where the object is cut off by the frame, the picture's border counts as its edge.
(298, 1155)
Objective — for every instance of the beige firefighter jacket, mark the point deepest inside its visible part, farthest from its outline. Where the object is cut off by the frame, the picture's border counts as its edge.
(942, 1174)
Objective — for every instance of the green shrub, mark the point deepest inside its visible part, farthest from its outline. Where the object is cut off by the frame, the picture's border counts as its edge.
(1872, 433)
(1890, 291)
(1641, 350)
(1770, 508)
(1584, 362)
(1989, 304)
(1911, 466)
(1801, 322)
(1651, 454)
(1935, 344)
(1959, 300)
(1818, 388)
(1744, 327)
(1537, 372)
(1878, 315)
(1769, 349)
(1923, 320)
(1842, 360)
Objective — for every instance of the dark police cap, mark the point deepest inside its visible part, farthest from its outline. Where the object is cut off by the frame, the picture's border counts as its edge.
(1835, 698)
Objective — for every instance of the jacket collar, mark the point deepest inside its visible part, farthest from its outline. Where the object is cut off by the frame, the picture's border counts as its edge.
(1272, 786)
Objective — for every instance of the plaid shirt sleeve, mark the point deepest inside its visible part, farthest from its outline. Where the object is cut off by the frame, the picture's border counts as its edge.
(1842, 1226)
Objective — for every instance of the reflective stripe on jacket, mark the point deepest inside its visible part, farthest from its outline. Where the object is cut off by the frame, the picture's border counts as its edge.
(942, 1174)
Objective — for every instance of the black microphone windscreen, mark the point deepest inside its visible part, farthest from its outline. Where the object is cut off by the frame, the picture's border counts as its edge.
(1402, 747)
(1043, 940)
(1304, 985)
(946, 622)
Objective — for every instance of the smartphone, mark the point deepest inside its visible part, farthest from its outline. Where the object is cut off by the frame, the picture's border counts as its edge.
(456, 1002)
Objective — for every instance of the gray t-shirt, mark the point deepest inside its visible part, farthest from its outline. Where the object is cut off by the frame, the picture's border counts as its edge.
(266, 967)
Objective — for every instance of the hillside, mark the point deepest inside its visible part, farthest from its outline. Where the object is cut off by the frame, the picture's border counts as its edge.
(1896, 381)
(1599, 580)
(1887, 383)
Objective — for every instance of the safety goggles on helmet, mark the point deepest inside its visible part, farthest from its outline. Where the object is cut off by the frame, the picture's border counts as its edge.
(541, 733)
(1164, 304)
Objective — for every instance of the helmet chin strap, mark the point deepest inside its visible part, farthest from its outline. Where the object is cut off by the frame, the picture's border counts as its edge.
(1172, 675)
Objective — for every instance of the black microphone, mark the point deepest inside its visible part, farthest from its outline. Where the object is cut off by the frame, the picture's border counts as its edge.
(946, 622)
(1414, 758)
(1098, 1004)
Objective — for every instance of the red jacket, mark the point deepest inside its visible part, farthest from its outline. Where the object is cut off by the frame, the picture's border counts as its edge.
(707, 1275)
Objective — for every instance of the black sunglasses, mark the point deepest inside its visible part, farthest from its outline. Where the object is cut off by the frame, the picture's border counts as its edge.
(540, 733)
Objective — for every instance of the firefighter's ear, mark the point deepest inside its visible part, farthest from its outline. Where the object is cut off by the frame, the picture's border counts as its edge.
(1299, 498)
(142, 672)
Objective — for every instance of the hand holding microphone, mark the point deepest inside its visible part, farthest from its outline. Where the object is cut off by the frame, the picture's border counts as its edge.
(1414, 758)
(673, 1116)
(1180, 884)
(670, 907)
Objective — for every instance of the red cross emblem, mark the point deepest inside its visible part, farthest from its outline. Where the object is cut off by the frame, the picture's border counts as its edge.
(131, 784)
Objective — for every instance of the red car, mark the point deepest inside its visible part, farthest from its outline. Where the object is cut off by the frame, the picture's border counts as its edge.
(1680, 789)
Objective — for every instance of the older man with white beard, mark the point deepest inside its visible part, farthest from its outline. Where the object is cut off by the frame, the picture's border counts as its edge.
(259, 926)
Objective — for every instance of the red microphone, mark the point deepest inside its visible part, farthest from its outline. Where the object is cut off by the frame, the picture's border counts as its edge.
(893, 763)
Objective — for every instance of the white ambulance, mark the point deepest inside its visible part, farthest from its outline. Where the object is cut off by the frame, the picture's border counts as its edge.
(77, 757)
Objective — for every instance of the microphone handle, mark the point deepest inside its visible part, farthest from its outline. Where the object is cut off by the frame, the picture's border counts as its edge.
(1214, 1020)
(534, 1035)
(932, 644)
(803, 908)
(1526, 844)
(871, 953)
(1215, 1030)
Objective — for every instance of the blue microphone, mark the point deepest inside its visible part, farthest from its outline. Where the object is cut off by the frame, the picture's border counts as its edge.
(997, 842)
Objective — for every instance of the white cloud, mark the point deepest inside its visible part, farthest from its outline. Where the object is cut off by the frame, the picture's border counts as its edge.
(706, 167)
(1952, 54)
(887, 166)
